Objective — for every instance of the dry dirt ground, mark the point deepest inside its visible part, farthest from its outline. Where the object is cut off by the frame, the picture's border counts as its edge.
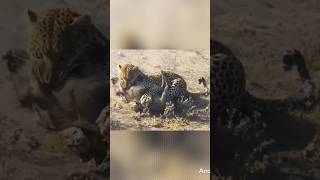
(258, 32)
(191, 65)
(27, 150)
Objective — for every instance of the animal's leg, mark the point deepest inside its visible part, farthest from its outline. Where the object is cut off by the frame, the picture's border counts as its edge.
(135, 106)
(103, 122)
(146, 102)
(42, 117)
(165, 94)
(76, 140)
(205, 85)
(293, 58)
(177, 88)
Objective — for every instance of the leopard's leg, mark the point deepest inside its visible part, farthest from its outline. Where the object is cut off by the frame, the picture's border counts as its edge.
(178, 88)
(146, 102)
(165, 93)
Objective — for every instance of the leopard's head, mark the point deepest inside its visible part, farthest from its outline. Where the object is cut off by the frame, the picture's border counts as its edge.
(47, 46)
(128, 75)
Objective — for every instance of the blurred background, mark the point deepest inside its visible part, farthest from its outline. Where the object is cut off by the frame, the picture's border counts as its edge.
(159, 155)
(165, 24)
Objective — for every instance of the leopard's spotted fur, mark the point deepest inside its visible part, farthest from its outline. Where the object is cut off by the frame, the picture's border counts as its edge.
(229, 81)
(130, 74)
(58, 40)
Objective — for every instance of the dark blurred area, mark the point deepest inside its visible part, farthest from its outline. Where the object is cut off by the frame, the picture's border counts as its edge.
(56, 129)
(279, 53)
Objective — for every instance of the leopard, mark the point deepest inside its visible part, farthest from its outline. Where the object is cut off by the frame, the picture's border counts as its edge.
(146, 102)
(229, 92)
(153, 84)
(232, 106)
(65, 51)
(154, 93)
(59, 41)
(64, 48)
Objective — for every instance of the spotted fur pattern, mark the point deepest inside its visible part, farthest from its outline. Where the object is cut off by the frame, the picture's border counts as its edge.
(229, 82)
(44, 40)
(130, 74)
(58, 39)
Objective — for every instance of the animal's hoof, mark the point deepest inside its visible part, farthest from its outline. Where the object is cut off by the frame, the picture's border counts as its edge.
(135, 106)
(76, 140)
(291, 58)
(42, 118)
(288, 59)
(145, 101)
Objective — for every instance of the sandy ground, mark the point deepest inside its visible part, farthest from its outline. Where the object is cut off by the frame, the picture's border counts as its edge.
(191, 65)
(259, 32)
(27, 150)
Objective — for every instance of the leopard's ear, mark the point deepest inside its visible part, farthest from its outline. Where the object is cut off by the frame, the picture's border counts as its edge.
(119, 67)
(33, 17)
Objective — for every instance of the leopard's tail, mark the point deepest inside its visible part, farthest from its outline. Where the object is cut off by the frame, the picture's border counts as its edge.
(205, 92)
(203, 81)
(252, 103)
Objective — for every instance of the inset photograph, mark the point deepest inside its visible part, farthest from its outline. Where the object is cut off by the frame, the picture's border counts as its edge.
(160, 90)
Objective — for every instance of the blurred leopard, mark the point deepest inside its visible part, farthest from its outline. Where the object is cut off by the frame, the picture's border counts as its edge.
(229, 85)
(60, 42)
